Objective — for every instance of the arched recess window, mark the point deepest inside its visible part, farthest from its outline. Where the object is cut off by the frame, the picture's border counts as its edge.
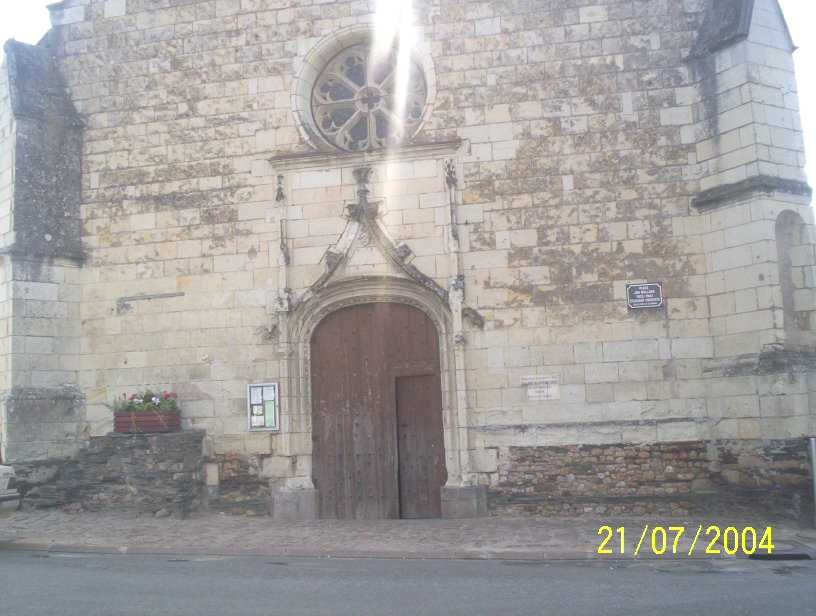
(795, 258)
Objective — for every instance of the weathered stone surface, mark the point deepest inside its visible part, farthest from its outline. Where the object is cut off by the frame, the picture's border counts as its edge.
(661, 478)
(6, 475)
(294, 505)
(464, 502)
(727, 22)
(144, 473)
(241, 487)
(48, 150)
(43, 422)
(9, 499)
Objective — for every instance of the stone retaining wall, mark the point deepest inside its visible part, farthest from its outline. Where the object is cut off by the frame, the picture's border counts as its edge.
(162, 473)
(157, 473)
(767, 477)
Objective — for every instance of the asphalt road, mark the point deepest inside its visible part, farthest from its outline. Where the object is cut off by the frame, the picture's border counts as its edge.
(91, 585)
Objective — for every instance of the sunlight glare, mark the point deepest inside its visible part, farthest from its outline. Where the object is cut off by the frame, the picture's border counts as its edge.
(394, 27)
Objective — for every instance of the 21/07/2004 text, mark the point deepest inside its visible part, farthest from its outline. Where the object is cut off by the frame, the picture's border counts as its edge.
(710, 540)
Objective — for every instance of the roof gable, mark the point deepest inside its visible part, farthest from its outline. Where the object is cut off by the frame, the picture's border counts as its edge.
(37, 88)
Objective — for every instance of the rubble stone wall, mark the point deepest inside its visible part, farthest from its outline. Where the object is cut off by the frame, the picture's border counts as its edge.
(158, 473)
(770, 477)
(164, 474)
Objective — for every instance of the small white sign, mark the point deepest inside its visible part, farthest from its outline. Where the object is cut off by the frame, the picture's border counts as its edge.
(542, 387)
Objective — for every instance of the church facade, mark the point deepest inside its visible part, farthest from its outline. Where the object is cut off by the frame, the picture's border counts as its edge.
(415, 261)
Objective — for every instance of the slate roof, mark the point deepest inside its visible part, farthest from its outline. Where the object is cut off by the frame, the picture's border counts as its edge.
(727, 22)
(36, 86)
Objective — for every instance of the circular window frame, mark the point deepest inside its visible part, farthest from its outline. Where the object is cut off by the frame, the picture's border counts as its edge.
(369, 104)
(312, 66)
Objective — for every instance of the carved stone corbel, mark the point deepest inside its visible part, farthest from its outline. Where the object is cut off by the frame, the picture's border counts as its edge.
(363, 210)
(280, 195)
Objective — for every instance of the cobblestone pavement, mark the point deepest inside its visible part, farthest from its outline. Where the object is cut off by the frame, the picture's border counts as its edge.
(521, 538)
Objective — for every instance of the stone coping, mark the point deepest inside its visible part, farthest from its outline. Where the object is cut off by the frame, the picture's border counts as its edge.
(720, 196)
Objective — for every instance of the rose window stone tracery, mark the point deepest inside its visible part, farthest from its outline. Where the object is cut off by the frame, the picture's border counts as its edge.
(359, 104)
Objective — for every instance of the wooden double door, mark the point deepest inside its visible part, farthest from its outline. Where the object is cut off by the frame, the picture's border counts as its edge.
(378, 444)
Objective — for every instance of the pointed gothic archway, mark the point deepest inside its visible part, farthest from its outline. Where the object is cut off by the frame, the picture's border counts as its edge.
(378, 444)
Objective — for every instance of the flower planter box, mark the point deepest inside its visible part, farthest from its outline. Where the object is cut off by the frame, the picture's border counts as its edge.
(146, 422)
(146, 413)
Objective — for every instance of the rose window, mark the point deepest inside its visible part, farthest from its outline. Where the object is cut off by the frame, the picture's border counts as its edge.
(359, 104)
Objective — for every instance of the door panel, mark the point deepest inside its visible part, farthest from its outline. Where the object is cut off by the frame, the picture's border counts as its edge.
(355, 456)
(421, 446)
(356, 353)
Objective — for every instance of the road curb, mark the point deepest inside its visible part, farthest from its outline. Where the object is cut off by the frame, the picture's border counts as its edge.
(56, 548)
(484, 555)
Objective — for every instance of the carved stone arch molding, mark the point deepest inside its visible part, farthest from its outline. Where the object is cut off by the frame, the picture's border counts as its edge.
(364, 290)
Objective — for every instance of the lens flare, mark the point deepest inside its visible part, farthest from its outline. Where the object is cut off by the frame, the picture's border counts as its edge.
(394, 32)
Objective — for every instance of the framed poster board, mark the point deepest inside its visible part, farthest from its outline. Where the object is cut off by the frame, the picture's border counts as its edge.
(263, 407)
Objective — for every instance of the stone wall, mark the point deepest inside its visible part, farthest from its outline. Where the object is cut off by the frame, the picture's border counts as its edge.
(542, 106)
(9, 498)
(744, 114)
(732, 477)
(241, 487)
(600, 478)
(153, 474)
(7, 141)
(40, 151)
(6, 196)
(47, 156)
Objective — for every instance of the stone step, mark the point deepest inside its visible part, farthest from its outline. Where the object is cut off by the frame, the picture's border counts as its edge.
(6, 475)
(9, 500)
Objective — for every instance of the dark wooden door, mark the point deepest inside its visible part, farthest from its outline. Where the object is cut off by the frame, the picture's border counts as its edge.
(363, 359)
(421, 446)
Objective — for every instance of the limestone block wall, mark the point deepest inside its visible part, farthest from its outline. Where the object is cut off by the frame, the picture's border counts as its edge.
(743, 275)
(6, 194)
(568, 187)
(44, 406)
(5, 348)
(6, 157)
(745, 109)
(41, 254)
